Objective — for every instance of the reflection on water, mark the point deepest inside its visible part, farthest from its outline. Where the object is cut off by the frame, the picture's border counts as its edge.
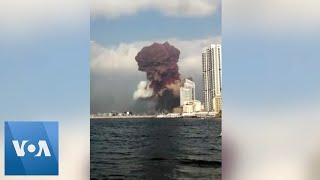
(155, 149)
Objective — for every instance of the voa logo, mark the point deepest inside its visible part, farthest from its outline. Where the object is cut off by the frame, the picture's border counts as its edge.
(31, 148)
(42, 144)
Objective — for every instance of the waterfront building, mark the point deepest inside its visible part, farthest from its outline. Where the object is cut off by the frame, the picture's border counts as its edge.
(192, 106)
(211, 74)
(187, 91)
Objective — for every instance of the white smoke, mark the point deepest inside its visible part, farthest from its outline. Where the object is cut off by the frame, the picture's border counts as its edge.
(143, 90)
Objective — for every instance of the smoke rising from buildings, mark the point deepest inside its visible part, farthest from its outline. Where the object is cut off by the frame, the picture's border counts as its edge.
(143, 91)
(159, 62)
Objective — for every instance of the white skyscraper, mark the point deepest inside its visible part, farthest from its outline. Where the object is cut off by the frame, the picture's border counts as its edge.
(211, 71)
(187, 92)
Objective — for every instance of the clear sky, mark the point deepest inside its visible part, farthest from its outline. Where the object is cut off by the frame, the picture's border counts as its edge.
(120, 30)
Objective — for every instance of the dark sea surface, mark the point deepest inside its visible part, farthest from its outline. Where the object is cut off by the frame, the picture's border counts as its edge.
(155, 149)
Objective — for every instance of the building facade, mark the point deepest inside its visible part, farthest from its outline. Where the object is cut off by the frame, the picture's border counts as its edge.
(192, 107)
(187, 91)
(211, 72)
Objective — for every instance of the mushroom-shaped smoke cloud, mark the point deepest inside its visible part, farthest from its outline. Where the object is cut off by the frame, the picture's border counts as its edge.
(159, 61)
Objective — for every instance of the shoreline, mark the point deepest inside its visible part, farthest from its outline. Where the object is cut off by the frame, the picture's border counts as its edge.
(152, 116)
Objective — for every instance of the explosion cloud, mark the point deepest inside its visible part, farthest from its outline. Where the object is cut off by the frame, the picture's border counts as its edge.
(159, 61)
(143, 91)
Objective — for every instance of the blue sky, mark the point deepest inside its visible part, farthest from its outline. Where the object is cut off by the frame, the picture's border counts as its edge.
(149, 25)
(271, 89)
(44, 64)
(39, 75)
(44, 74)
(271, 61)
(270, 73)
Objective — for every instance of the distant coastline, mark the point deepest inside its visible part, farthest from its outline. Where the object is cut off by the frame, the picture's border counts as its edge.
(155, 117)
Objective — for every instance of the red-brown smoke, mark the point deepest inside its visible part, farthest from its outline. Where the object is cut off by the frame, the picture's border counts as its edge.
(159, 61)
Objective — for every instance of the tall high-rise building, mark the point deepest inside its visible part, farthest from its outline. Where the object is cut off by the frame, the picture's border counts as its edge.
(187, 91)
(211, 72)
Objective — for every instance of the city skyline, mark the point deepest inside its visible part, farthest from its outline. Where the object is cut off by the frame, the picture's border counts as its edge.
(210, 86)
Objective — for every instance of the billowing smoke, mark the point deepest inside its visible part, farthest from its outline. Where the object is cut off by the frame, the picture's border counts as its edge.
(159, 61)
(143, 91)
